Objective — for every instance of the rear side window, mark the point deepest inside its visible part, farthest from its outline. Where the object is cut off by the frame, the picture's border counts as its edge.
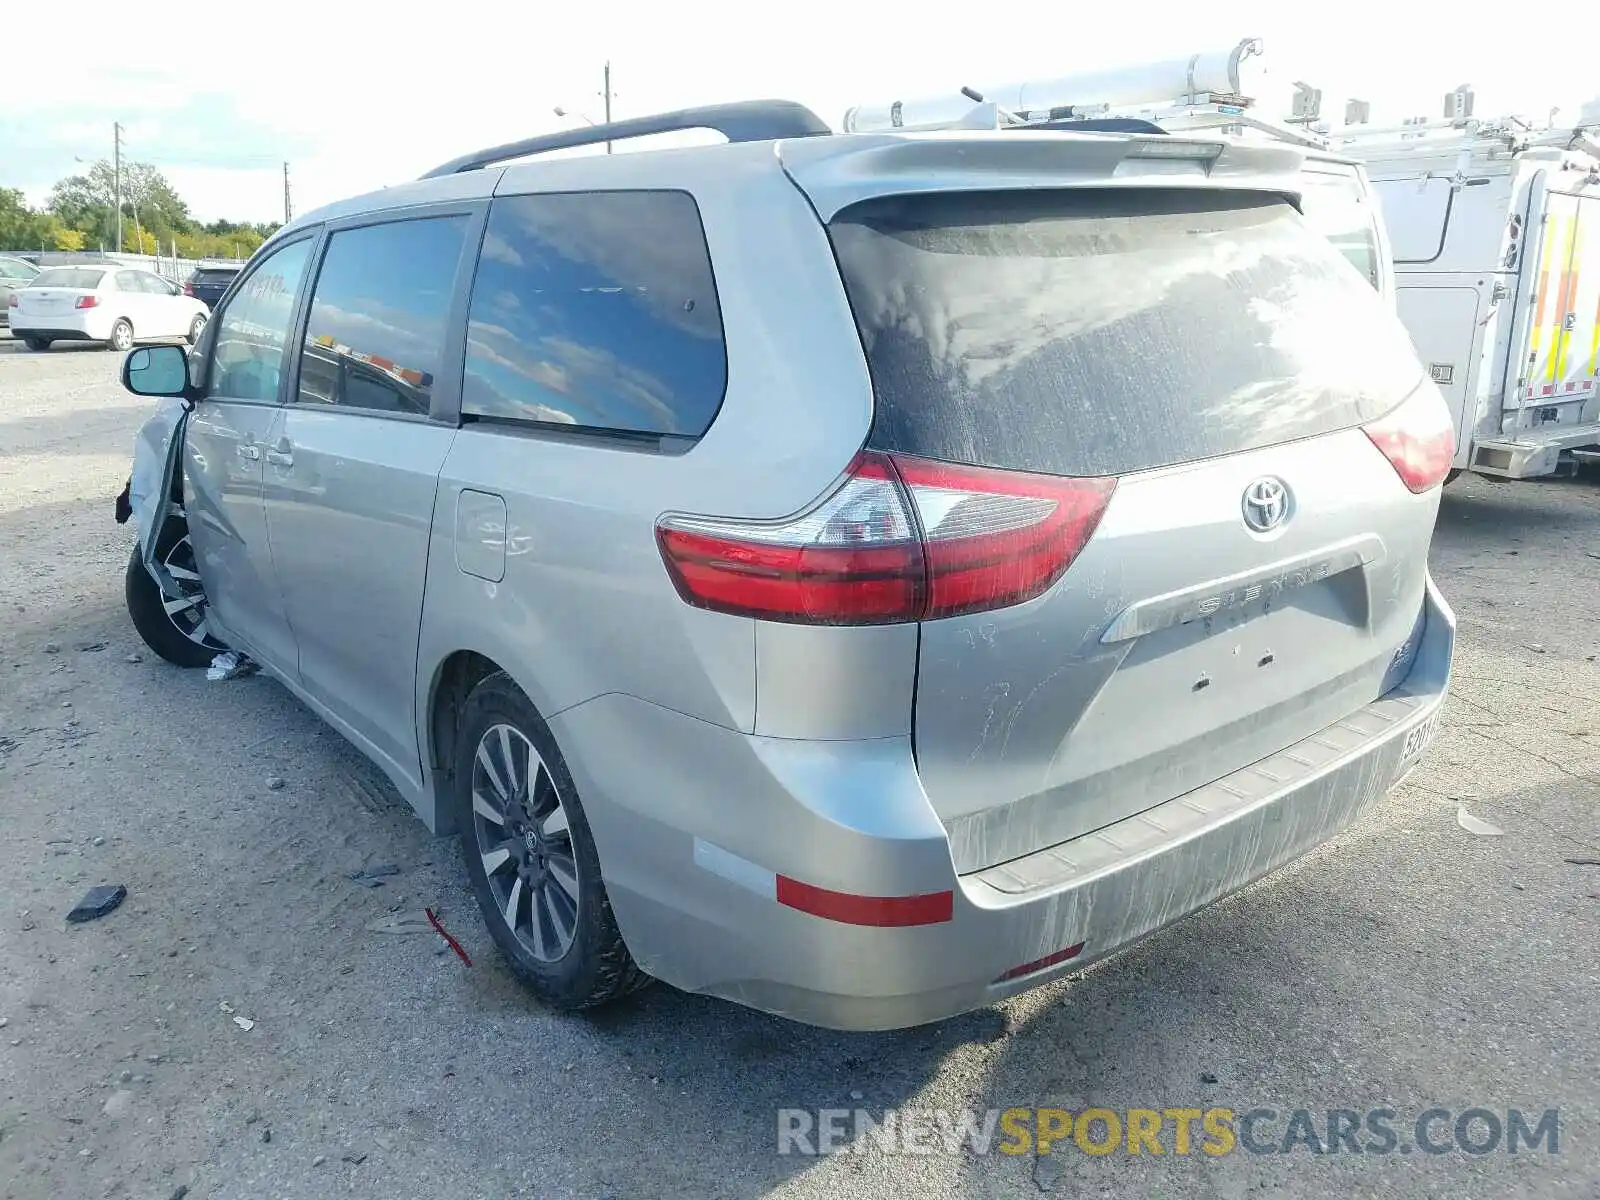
(69, 277)
(596, 311)
(1335, 207)
(375, 336)
(1100, 331)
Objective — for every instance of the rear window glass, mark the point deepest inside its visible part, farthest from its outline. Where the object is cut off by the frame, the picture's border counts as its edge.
(1100, 331)
(1335, 207)
(214, 276)
(69, 277)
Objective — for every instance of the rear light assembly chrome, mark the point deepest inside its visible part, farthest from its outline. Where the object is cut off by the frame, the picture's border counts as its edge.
(899, 539)
(90, 301)
(1418, 439)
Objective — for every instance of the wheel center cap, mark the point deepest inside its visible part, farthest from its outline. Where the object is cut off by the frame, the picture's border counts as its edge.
(530, 839)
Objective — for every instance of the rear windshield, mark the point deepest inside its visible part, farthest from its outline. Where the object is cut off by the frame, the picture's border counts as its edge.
(69, 277)
(1101, 331)
(214, 275)
(1335, 207)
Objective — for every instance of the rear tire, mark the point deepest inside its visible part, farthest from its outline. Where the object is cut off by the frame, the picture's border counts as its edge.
(147, 606)
(121, 338)
(37, 344)
(570, 955)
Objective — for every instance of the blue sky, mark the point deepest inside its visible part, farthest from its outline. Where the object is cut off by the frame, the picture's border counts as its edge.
(357, 95)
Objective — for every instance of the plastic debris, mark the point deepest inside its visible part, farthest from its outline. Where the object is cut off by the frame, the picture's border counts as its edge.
(97, 902)
(404, 924)
(244, 1023)
(373, 877)
(1476, 825)
(230, 664)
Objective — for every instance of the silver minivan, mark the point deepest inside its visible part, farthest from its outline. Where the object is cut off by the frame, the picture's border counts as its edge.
(860, 576)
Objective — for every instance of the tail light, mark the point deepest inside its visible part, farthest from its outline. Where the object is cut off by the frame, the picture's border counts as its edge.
(900, 539)
(1418, 439)
(188, 289)
(12, 301)
(89, 301)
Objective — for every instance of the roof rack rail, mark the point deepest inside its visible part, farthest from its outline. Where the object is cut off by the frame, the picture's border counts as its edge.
(745, 121)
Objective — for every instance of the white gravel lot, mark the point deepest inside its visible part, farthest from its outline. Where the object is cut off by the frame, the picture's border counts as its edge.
(1409, 964)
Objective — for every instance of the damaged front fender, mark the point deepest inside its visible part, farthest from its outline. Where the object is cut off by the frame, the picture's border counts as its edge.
(148, 498)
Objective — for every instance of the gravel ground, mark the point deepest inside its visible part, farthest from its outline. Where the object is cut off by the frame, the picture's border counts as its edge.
(1409, 964)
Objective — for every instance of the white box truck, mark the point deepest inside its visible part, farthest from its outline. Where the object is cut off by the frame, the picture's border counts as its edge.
(1495, 230)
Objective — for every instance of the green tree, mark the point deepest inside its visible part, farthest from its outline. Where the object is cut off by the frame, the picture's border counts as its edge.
(149, 204)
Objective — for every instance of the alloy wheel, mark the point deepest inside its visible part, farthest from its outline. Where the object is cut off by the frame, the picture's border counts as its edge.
(525, 843)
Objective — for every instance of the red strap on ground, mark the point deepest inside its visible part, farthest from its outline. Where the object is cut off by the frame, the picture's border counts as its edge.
(445, 934)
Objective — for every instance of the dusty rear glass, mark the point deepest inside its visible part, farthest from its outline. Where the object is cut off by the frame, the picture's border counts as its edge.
(69, 277)
(1102, 331)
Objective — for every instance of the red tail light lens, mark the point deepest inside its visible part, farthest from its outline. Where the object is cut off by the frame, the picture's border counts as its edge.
(188, 289)
(996, 538)
(1418, 439)
(89, 301)
(900, 539)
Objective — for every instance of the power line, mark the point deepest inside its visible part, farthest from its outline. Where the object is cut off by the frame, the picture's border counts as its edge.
(116, 151)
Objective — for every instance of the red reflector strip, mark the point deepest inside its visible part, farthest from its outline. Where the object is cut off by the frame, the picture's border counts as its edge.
(884, 911)
(1039, 964)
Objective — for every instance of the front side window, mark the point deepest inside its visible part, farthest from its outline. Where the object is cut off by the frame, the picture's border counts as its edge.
(375, 336)
(596, 311)
(247, 356)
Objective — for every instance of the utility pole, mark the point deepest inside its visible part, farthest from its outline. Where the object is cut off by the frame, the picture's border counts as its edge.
(608, 100)
(288, 208)
(116, 151)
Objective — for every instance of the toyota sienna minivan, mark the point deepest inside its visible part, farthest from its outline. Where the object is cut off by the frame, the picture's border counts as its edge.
(859, 576)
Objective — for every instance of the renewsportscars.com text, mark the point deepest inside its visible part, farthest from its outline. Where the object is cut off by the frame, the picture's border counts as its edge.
(1211, 1132)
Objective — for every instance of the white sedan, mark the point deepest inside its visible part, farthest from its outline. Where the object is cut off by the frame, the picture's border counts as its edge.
(114, 305)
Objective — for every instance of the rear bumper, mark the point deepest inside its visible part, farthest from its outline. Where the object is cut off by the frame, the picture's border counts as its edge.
(89, 325)
(696, 824)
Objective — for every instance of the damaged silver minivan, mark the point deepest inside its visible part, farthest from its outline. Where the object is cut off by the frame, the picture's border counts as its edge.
(860, 576)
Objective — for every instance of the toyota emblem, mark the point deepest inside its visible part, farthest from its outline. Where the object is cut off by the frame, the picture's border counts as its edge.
(1266, 504)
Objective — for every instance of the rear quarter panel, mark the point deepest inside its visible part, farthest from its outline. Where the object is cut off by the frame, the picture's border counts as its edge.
(585, 607)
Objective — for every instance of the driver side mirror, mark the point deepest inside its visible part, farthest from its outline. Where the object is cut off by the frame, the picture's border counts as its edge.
(157, 371)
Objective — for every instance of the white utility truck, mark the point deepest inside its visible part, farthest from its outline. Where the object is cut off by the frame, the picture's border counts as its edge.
(1495, 230)
(1204, 93)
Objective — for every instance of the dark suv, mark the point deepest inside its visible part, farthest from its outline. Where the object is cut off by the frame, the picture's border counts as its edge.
(208, 283)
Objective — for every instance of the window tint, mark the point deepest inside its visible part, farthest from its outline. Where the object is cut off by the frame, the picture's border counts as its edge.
(597, 311)
(247, 356)
(375, 336)
(208, 276)
(1335, 208)
(1097, 332)
(86, 278)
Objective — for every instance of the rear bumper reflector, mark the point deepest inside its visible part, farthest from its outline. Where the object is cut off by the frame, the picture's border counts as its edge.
(933, 908)
(1039, 964)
